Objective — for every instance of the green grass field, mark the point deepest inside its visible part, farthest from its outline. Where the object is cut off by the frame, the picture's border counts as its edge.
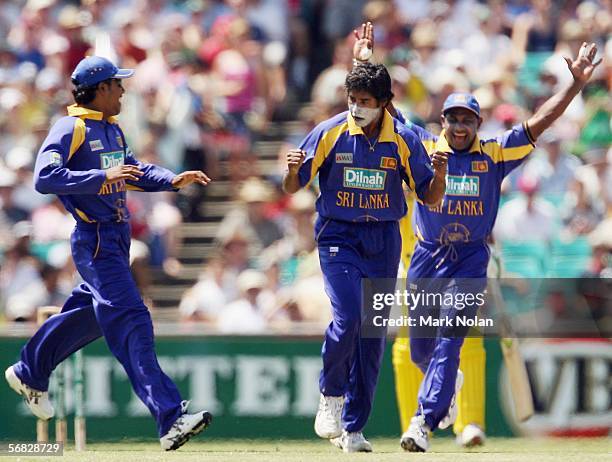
(388, 450)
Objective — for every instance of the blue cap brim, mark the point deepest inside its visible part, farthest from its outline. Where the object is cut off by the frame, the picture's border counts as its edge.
(123, 73)
(459, 105)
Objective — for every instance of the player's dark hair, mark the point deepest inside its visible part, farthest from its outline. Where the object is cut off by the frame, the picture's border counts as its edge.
(373, 78)
(84, 95)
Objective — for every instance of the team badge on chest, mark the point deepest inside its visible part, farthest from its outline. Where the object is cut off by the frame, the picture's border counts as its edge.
(388, 163)
(480, 166)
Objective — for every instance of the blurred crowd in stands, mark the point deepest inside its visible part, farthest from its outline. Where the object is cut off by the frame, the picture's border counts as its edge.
(215, 77)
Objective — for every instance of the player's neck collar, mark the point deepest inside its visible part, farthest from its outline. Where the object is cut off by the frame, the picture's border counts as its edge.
(86, 113)
(443, 146)
(387, 132)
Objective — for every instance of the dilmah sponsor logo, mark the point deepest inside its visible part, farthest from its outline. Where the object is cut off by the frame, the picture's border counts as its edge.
(362, 178)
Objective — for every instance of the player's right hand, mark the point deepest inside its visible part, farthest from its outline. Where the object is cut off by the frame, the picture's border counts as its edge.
(123, 173)
(295, 159)
(364, 43)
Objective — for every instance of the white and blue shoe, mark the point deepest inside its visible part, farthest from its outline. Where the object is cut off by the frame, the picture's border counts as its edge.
(36, 400)
(416, 438)
(352, 442)
(328, 422)
(184, 428)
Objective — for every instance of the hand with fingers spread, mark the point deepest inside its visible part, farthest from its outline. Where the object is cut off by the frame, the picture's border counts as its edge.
(123, 173)
(364, 44)
(192, 176)
(583, 66)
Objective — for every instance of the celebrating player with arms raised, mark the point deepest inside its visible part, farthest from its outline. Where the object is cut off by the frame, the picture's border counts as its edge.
(452, 235)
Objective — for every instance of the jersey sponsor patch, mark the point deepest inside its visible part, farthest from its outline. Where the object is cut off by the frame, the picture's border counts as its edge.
(96, 145)
(388, 162)
(480, 166)
(111, 159)
(364, 178)
(55, 159)
(344, 157)
(462, 185)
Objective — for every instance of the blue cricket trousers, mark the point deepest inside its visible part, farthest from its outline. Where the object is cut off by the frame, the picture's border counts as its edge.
(349, 252)
(107, 304)
(463, 267)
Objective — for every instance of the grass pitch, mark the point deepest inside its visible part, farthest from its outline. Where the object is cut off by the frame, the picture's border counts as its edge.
(388, 450)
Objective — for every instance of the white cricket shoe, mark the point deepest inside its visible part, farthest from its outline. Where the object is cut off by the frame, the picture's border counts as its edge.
(352, 442)
(185, 427)
(471, 436)
(453, 409)
(328, 422)
(416, 438)
(37, 401)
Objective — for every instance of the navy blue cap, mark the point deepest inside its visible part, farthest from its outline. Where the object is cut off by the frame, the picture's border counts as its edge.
(96, 69)
(464, 100)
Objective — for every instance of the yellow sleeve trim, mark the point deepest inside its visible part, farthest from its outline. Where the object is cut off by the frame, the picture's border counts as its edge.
(499, 154)
(78, 136)
(84, 217)
(517, 153)
(132, 188)
(404, 152)
(324, 147)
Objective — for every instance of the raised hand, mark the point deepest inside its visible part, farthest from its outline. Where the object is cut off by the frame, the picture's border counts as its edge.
(295, 159)
(123, 173)
(439, 160)
(364, 43)
(582, 67)
(192, 176)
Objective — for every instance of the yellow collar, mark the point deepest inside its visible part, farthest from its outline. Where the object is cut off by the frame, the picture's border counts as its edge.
(443, 146)
(387, 131)
(86, 113)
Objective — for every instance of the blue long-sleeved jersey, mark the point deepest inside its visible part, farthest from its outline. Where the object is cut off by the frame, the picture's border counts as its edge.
(72, 162)
(361, 179)
(473, 183)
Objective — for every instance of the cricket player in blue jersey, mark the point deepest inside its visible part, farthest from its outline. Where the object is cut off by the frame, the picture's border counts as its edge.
(362, 157)
(452, 236)
(85, 161)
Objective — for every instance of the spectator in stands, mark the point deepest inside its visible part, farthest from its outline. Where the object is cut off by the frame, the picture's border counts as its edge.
(550, 166)
(596, 176)
(527, 217)
(217, 283)
(250, 216)
(579, 214)
(18, 274)
(246, 315)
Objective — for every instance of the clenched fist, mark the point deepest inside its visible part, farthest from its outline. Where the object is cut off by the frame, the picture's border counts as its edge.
(439, 160)
(295, 159)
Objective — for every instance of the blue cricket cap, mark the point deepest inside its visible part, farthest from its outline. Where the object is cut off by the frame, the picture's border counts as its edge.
(464, 100)
(96, 69)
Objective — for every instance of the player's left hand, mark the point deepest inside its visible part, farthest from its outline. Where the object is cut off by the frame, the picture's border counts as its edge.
(364, 44)
(192, 176)
(439, 160)
(583, 66)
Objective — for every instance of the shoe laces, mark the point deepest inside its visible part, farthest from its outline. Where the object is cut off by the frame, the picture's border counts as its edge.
(184, 406)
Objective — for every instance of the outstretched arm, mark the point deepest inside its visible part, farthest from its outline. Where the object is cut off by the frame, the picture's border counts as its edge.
(582, 69)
